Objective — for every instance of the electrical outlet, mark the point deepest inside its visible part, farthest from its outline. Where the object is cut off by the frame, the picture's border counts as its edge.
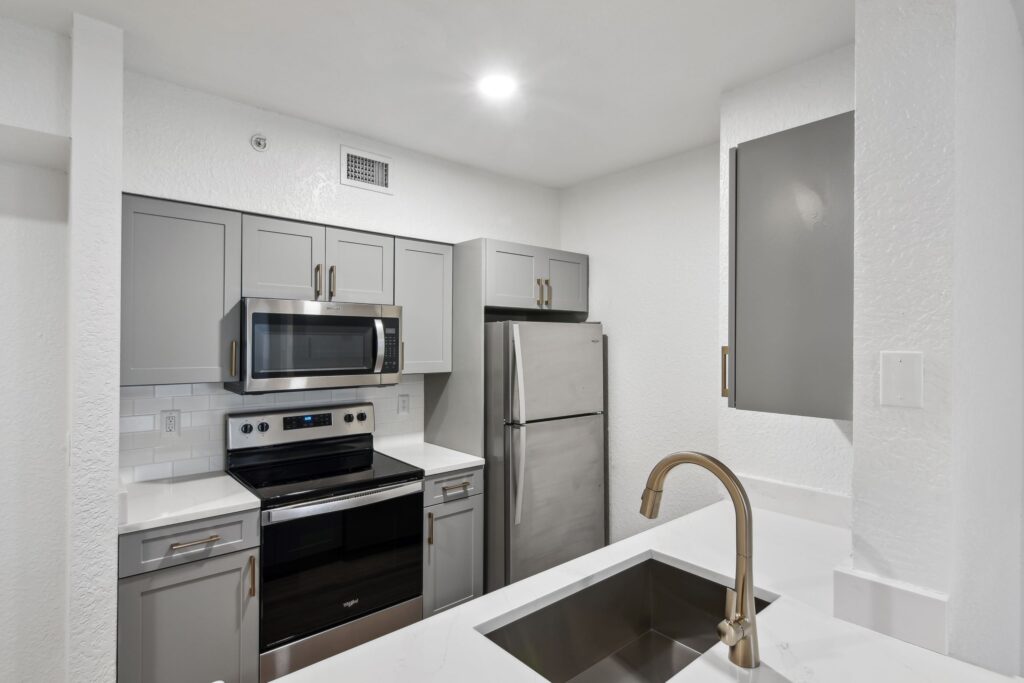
(170, 422)
(403, 404)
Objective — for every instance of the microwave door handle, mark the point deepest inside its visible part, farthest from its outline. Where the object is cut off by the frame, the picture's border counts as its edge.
(379, 363)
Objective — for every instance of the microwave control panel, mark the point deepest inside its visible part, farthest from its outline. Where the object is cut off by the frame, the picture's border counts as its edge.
(392, 346)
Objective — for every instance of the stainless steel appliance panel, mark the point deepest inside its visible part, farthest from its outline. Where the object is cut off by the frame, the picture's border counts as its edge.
(555, 507)
(555, 370)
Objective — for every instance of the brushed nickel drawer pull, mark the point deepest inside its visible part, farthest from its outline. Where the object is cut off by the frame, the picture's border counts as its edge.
(252, 576)
(551, 290)
(725, 371)
(453, 487)
(318, 281)
(540, 289)
(331, 281)
(430, 528)
(175, 547)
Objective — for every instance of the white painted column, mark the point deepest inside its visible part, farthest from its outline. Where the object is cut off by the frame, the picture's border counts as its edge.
(94, 301)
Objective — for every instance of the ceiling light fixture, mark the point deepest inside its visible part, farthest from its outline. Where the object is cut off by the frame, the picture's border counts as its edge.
(497, 86)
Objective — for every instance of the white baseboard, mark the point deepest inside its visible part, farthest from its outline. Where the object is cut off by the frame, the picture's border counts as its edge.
(901, 610)
(799, 501)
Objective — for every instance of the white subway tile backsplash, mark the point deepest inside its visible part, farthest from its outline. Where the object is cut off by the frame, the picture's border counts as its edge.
(147, 453)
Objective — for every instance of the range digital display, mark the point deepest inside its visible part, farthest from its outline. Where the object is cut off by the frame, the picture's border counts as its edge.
(304, 421)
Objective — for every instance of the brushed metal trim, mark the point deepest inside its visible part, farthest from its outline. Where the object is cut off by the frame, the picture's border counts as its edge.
(277, 435)
(338, 503)
(725, 372)
(233, 361)
(378, 325)
(312, 649)
(519, 457)
(520, 386)
(175, 547)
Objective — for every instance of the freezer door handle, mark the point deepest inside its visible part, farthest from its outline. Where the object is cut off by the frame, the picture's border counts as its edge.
(520, 386)
(519, 463)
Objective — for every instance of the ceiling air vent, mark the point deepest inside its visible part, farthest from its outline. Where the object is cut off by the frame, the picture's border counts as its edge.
(366, 170)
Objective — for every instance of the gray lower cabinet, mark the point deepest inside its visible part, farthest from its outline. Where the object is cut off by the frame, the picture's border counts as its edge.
(423, 288)
(180, 283)
(282, 259)
(453, 553)
(360, 267)
(193, 623)
(535, 278)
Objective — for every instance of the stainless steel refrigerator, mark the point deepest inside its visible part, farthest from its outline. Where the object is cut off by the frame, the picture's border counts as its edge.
(545, 446)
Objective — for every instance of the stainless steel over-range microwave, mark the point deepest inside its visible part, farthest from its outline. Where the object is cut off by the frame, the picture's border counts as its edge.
(290, 345)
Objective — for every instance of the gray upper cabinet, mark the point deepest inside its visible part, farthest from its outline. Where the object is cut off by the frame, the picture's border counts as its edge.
(453, 553)
(282, 259)
(791, 274)
(194, 622)
(360, 267)
(423, 288)
(535, 278)
(180, 282)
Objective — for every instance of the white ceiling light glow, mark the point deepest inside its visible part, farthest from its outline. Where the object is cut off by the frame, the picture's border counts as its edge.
(497, 87)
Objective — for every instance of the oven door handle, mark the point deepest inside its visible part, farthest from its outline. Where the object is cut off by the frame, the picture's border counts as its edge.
(379, 363)
(346, 502)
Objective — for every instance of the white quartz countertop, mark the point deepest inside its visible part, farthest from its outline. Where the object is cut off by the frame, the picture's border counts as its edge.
(151, 504)
(799, 639)
(412, 450)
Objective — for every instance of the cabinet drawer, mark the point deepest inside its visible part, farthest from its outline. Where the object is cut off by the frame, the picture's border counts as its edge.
(152, 549)
(453, 486)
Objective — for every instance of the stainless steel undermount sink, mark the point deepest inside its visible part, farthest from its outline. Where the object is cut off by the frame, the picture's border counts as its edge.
(645, 623)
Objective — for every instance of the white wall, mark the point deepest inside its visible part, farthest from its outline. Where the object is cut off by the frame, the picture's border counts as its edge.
(651, 233)
(811, 453)
(186, 145)
(35, 78)
(33, 528)
(988, 337)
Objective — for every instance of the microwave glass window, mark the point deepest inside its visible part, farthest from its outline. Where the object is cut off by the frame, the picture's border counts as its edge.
(285, 345)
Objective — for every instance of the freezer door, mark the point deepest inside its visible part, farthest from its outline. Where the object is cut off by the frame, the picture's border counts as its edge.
(556, 370)
(555, 510)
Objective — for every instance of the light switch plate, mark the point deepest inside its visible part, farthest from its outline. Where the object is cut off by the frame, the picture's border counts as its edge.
(902, 379)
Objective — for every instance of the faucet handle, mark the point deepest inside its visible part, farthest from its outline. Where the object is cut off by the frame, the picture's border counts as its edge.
(732, 631)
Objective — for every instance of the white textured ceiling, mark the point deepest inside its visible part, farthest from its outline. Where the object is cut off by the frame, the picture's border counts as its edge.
(606, 84)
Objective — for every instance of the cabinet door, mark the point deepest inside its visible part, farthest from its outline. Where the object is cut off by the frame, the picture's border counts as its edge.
(423, 288)
(194, 623)
(566, 282)
(453, 559)
(515, 275)
(180, 283)
(282, 259)
(360, 267)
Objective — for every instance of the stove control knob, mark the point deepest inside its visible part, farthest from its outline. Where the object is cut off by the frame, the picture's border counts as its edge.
(247, 428)
(349, 417)
(263, 426)
(361, 417)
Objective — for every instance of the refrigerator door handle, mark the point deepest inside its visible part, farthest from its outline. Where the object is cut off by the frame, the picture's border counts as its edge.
(519, 462)
(517, 353)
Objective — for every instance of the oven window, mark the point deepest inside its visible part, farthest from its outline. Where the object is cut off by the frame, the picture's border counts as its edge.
(286, 345)
(325, 570)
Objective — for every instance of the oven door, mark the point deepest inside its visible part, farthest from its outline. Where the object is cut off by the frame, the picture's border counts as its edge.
(290, 345)
(326, 563)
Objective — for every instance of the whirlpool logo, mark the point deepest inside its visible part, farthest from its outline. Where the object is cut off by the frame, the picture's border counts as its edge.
(350, 603)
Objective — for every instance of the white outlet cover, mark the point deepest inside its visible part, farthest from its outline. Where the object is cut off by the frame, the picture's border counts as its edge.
(902, 379)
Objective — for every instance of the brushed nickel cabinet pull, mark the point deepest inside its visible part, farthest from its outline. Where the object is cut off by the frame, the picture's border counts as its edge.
(725, 371)
(330, 283)
(430, 528)
(233, 361)
(454, 487)
(540, 291)
(318, 281)
(252, 576)
(175, 547)
(551, 290)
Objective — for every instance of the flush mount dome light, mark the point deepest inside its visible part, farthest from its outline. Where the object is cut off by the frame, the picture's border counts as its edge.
(497, 86)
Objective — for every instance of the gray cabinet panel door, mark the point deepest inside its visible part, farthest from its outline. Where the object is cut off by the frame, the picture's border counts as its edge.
(792, 274)
(423, 288)
(453, 553)
(555, 510)
(567, 282)
(514, 275)
(360, 267)
(282, 259)
(180, 283)
(194, 623)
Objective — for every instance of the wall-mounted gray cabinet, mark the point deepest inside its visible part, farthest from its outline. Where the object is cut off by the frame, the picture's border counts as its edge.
(453, 549)
(535, 278)
(181, 274)
(194, 622)
(791, 272)
(282, 259)
(360, 267)
(423, 288)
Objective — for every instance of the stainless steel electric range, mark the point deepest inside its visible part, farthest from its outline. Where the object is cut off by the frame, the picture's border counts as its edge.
(341, 552)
